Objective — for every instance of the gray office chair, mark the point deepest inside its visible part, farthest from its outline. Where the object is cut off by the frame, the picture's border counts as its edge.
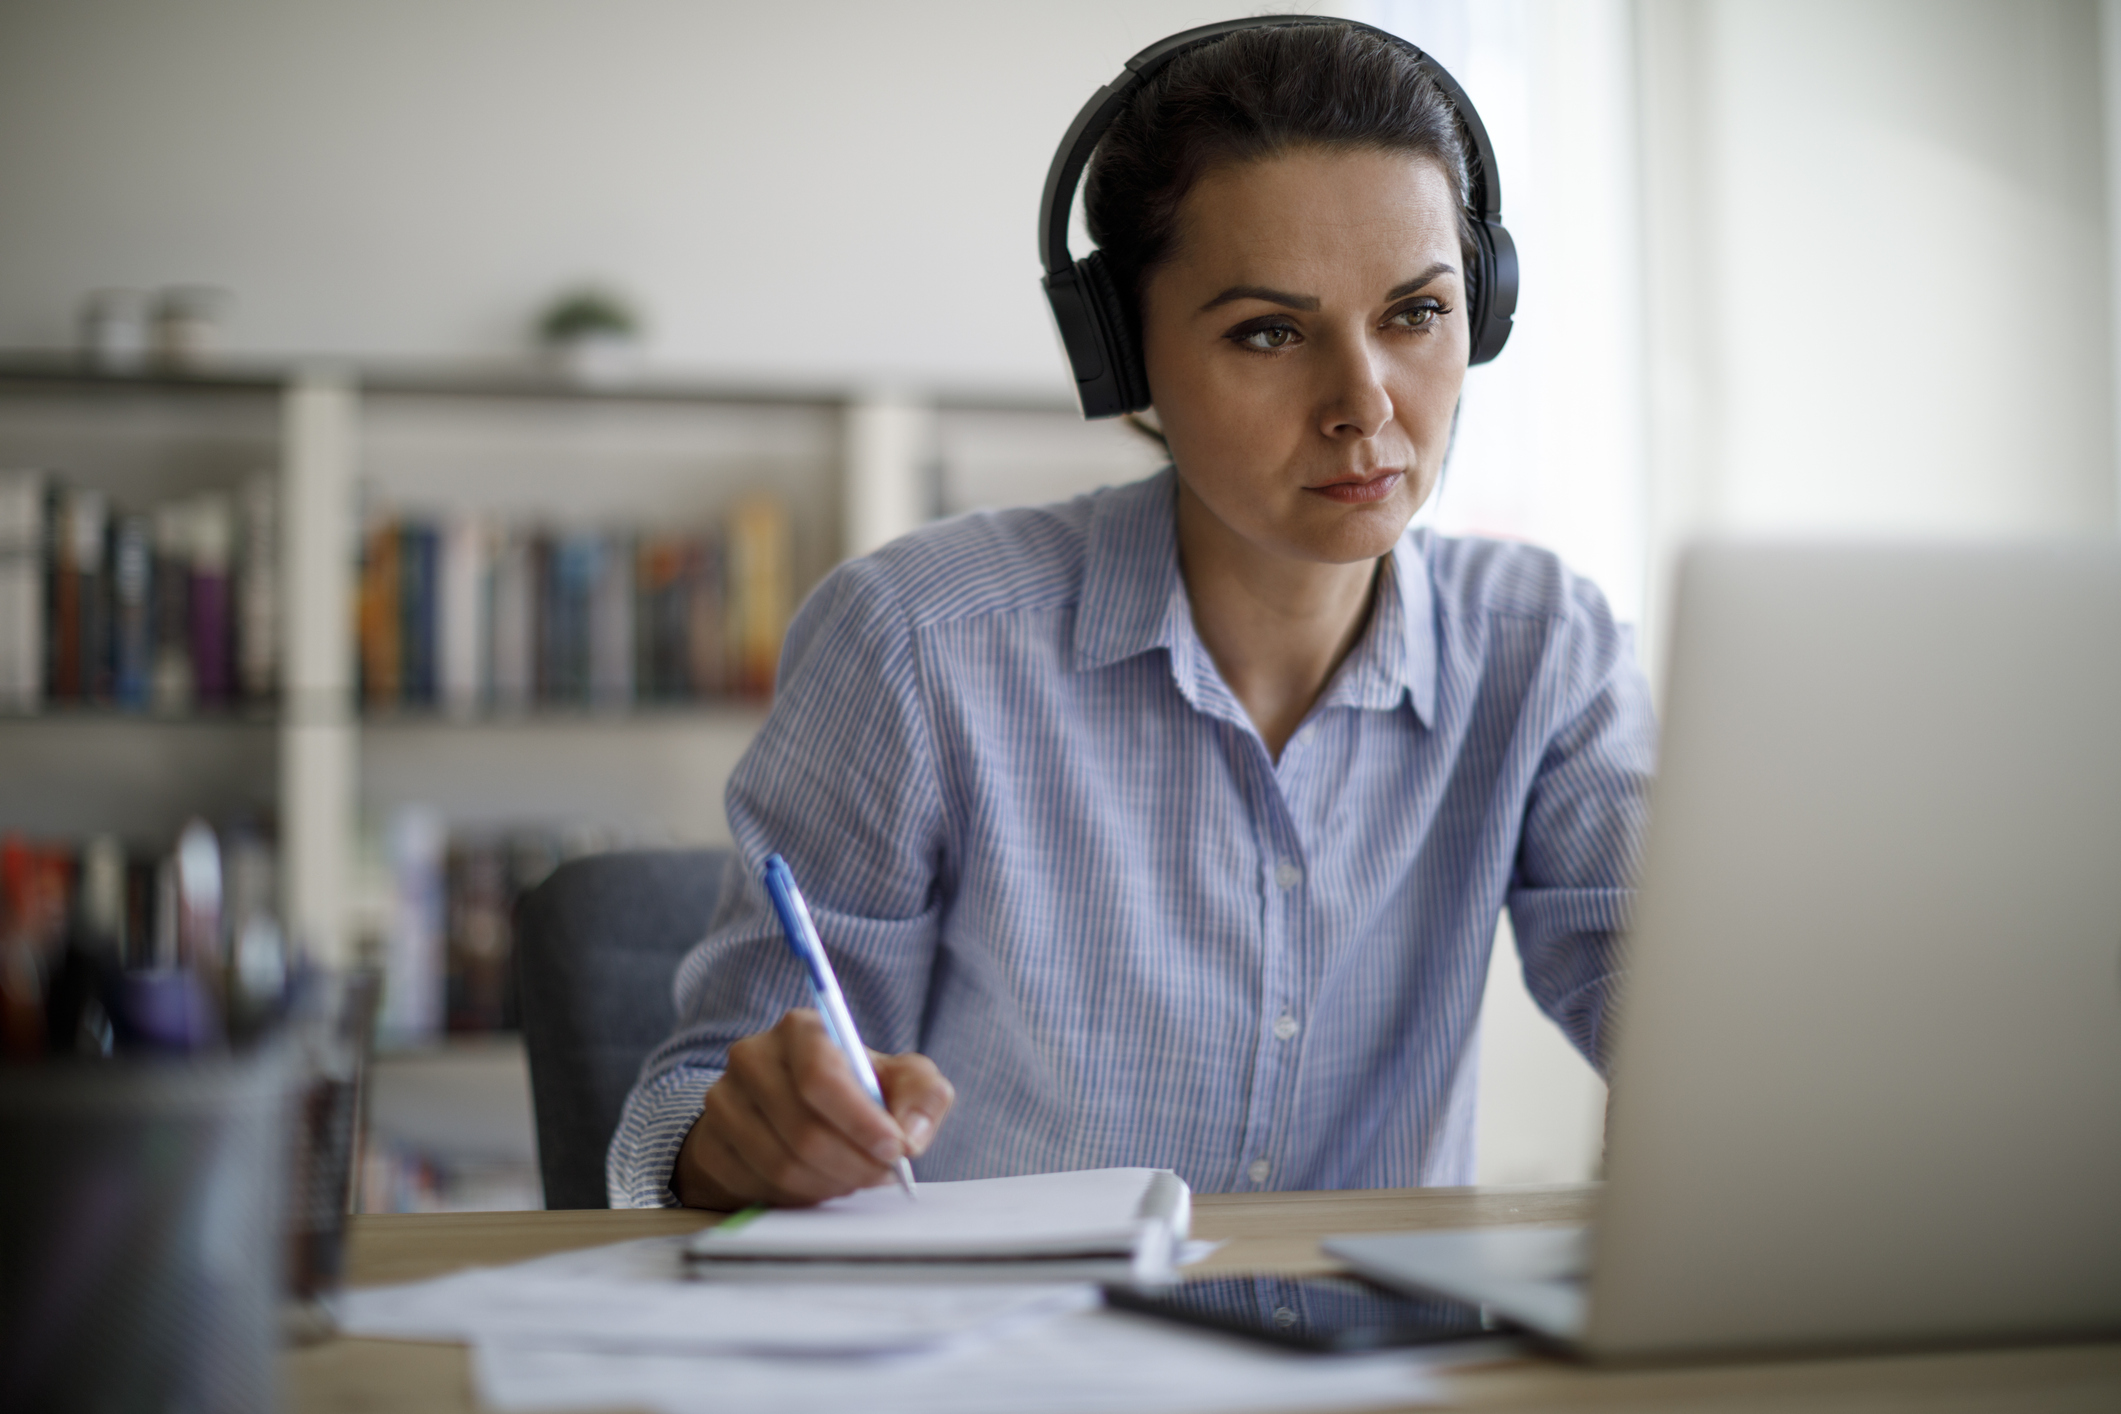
(596, 946)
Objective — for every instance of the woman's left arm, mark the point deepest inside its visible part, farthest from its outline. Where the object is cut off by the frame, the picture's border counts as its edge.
(1583, 821)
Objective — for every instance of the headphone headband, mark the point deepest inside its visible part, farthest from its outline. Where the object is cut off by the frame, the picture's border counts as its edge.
(1095, 319)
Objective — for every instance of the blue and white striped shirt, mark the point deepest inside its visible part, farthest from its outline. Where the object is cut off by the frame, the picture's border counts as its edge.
(1045, 846)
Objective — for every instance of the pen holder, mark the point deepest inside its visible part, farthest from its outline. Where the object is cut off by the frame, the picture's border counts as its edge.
(141, 1244)
(335, 1016)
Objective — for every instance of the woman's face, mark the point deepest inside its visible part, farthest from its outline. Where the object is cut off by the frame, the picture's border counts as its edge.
(1305, 345)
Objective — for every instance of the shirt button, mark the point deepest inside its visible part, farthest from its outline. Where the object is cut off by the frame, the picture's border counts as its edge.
(1284, 1317)
(1257, 1172)
(1286, 1026)
(1287, 874)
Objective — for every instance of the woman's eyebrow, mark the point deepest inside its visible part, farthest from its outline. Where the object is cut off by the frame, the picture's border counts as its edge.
(1261, 292)
(1439, 268)
(1310, 302)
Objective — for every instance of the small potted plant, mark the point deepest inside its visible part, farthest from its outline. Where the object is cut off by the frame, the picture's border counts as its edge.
(592, 336)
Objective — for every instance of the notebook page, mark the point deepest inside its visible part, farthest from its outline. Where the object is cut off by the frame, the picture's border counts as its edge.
(1092, 1210)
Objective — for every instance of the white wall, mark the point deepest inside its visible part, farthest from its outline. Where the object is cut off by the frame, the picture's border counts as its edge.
(1550, 444)
(1551, 437)
(836, 190)
(1878, 256)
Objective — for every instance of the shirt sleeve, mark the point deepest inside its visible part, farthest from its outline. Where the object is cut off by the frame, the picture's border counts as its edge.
(1572, 885)
(842, 781)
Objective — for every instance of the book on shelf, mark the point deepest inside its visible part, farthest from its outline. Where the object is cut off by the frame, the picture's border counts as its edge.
(572, 562)
(463, 614)
(482, 882)
(510, 604)
(104, 605)
(258, 590)
(132, 619)
(212, 653)
(759, 590)
(78, 647)
(21, 590)
(612, 643)
(411, 1008)
(437, 904)
(169, 595)
(678, 623)
(416, 613)
(378, 618)
(461, 621)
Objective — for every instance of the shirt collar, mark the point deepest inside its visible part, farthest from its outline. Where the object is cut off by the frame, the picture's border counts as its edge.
(1396, 656)
(1133, 600)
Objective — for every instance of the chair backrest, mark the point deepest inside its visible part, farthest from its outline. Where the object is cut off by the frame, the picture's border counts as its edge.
(597, 945)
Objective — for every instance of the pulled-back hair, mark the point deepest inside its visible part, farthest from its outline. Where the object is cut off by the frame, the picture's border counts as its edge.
(1252, 94)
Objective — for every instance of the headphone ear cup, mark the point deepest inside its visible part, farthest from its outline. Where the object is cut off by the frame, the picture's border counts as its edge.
(1121, 327)
(1494, 291)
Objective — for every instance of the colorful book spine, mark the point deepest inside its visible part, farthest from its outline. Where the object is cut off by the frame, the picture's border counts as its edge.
(87, 530)
(551, 632)
(461, 620)
(465, 616)
(62, 590)
(575, 564)
(381, 681)
(212, 622)
(513, 651)
(22, 590)
(415, 847)
(132, 559)
(759, 590)
(704, 662)
(659, 618)
(480, 937)
(416, 609)
(171, 684)
(258, 590)
(611, 631)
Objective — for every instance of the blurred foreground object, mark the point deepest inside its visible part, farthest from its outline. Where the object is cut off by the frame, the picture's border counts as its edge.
(140, 1249)
(593, 336)
(334, 1020)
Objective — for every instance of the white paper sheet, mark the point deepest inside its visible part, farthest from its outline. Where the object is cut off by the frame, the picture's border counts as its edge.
(633, 1297)
(1101, 1361)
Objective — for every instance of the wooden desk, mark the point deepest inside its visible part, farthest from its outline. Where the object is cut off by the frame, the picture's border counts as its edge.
(1272, 1232)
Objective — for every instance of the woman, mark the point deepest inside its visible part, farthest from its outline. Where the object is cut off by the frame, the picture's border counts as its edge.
(1170, 825)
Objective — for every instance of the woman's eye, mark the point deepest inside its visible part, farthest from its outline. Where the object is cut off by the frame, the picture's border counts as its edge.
(1273, 336)
(1416, 316)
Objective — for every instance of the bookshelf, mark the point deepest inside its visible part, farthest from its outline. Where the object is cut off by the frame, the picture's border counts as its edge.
(323, 770)
(852, 469)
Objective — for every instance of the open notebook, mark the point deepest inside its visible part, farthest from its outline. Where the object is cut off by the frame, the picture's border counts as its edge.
(1115, 1225)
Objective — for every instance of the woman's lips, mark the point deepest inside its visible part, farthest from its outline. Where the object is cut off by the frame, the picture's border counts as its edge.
(1358, 493)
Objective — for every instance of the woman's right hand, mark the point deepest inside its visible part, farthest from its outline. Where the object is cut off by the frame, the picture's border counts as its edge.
(788, 1124)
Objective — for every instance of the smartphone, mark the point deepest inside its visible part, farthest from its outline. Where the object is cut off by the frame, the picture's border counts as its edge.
(1309, 1313)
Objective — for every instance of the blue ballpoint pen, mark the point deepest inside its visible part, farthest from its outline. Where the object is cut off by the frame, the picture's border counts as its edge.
(825, 987)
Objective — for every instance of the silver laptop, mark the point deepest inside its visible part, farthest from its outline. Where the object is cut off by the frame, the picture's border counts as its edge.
(1867, 1069)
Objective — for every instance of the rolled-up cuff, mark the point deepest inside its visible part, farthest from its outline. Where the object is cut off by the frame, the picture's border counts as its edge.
(652, 1128)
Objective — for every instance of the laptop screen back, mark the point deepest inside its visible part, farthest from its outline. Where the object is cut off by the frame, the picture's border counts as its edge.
(1867, 1076)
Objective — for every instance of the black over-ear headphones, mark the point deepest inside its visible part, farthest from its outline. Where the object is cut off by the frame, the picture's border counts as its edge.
(1096, 326)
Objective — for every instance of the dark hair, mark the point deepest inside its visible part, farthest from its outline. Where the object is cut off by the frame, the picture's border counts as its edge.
(1253, 94)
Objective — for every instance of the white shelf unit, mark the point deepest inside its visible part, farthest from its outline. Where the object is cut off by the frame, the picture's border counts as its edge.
(854, 469)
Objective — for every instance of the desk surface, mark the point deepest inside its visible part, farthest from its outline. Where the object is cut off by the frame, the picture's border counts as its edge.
(1269, 1232)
